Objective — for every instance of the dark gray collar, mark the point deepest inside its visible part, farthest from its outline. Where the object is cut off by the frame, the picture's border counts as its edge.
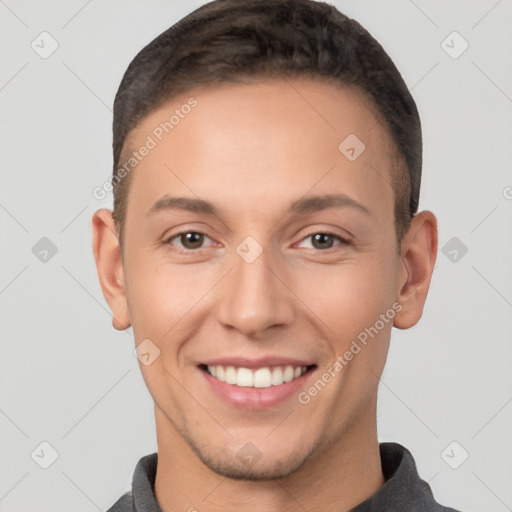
(404, 490)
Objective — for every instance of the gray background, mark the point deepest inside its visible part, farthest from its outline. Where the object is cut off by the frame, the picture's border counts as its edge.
(69, 379)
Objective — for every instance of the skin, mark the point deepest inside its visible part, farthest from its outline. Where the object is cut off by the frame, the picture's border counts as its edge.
(251, 150)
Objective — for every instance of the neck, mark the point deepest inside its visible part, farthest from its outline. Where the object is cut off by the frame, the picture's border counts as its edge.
(337, 478)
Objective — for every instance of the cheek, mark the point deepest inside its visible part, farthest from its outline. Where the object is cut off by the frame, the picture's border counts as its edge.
(348, 297)
(161, 295)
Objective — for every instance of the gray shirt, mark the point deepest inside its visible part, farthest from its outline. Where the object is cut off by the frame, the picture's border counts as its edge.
(403, 491)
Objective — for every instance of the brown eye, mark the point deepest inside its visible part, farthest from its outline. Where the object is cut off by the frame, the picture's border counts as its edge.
(191, 240)
(188, 241)
(322, 240)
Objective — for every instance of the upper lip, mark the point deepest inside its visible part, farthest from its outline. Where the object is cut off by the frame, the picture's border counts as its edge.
(260, 362)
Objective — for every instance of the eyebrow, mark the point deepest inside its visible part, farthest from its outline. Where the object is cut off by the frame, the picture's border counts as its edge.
(300, 206)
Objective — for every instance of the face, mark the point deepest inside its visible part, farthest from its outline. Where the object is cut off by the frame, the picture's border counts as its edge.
(259, 253)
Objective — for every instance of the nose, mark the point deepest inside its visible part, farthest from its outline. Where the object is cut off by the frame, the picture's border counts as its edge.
(255, 296)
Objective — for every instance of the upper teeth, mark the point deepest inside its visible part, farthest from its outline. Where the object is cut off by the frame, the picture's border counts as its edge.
(258, 378)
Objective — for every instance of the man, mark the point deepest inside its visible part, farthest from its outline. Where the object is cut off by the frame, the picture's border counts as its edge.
(264, 241)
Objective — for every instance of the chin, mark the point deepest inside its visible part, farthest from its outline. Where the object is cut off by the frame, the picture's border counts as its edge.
(249, 463)
(261, 470)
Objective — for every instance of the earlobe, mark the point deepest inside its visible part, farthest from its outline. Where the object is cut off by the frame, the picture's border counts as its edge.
(109, 265)
(418, 257)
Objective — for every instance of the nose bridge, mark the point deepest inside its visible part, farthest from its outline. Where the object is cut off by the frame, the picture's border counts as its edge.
(253, 298)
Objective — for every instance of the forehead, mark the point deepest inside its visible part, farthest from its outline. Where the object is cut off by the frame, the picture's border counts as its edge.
(265, 141)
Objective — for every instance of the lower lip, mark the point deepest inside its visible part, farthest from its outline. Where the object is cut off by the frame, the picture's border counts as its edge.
(255, 398)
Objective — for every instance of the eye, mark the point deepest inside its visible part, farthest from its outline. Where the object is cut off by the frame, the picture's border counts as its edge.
(324, 240)
(188, 240)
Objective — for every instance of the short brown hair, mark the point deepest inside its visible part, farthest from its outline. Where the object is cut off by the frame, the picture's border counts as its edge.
(234, 41)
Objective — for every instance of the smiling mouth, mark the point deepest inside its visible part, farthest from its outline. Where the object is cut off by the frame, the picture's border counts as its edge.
(263, 377)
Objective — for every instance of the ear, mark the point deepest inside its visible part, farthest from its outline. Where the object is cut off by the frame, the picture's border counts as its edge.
(418, 255)
(109, 264)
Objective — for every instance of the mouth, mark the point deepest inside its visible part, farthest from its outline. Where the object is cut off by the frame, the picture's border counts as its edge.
(255, 383)
(260, 377)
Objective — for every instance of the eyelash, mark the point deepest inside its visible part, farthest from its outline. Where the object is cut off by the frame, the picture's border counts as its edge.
(185, 251)
(343, 241)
